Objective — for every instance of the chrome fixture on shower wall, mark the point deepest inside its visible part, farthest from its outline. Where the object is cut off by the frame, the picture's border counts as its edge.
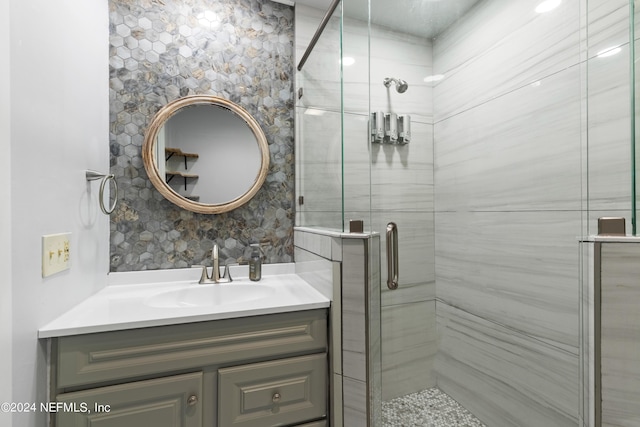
(390, 128)
(401, 85)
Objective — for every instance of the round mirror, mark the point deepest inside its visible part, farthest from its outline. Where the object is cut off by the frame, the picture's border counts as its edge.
(205, 154)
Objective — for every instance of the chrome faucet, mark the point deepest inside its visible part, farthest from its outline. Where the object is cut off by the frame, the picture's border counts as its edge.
(215, 271)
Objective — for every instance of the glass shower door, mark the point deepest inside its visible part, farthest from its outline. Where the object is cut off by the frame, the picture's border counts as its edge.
(389, 105)
(494, 117)
(489, 173)
(319, 178)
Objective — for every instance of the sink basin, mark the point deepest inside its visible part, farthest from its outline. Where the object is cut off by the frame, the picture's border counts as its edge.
(219, 294)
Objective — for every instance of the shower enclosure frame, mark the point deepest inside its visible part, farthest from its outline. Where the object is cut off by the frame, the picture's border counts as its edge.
(344, 166)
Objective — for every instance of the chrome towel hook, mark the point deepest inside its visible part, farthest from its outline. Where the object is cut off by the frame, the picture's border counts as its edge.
(92, 176)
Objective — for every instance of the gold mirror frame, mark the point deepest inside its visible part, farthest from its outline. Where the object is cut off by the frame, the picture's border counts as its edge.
(149, 156)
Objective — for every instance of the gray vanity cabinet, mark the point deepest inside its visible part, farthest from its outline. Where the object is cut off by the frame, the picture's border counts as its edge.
(261, 371)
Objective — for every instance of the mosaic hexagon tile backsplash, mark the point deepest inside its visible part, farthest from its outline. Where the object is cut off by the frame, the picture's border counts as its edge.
(160, 50)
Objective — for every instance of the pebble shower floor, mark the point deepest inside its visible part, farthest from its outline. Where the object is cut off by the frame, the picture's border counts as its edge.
(428, 408)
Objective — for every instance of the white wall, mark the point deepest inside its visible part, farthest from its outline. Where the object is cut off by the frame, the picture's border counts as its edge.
(59, 127)
(5, 216)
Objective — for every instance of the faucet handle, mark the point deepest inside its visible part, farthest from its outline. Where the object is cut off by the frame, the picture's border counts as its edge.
(227, 272)
(204, 277)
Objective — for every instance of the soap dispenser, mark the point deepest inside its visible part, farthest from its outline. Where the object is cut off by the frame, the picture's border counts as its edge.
(255, 263)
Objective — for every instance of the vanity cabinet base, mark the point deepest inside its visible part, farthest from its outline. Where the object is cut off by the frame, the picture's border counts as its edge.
(256, 371)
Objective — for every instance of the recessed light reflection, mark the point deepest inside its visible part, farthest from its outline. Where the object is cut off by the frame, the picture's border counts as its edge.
(610, 51)
(434, 78)
(347, 61)
(312, 112)
(548, 6)
(208, 19)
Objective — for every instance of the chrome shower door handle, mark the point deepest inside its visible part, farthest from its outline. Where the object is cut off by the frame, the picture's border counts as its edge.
(393, 272)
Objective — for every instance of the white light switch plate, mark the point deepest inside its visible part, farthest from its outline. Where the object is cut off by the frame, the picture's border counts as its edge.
(56, 253)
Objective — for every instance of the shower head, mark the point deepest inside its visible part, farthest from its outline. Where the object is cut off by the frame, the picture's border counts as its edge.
(401, 85)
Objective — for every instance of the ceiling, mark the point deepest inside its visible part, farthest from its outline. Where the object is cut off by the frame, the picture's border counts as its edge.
(424, 18)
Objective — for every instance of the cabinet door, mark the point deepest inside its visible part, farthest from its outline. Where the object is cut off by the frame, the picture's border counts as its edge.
(275, 393)
(164, 402)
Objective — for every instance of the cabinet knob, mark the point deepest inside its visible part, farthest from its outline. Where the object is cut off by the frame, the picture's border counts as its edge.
(276, 397)
(192, 400)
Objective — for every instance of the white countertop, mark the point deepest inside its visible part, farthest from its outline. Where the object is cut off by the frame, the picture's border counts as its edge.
(131, 300)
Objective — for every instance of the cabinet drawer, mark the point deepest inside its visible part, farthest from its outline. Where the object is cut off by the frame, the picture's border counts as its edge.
(280, 392)
(111, 356)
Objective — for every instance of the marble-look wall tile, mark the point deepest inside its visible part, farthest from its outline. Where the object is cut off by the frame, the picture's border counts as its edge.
(318, 168)
(520, 151)
(620, 333)
(405, 57)
(416, 256)
(241, 51)
(329, 220)
(400, 178)
(400, 182)
(374, 331)
(607, 24)
(336, 402)
(356, 157)
(530, 46)
(320, 76)
(354, 286)
(504, 377)
(409, 345)
(402, 175)
(609, 118)
(315, 270)
(355, 402)
(354, 310)
(518, 269)
(355, 71)
(587, 338)
(385, 177)
(325, 245)
(361, 351)
(391, 54)
(520, 170)
(396, 178)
